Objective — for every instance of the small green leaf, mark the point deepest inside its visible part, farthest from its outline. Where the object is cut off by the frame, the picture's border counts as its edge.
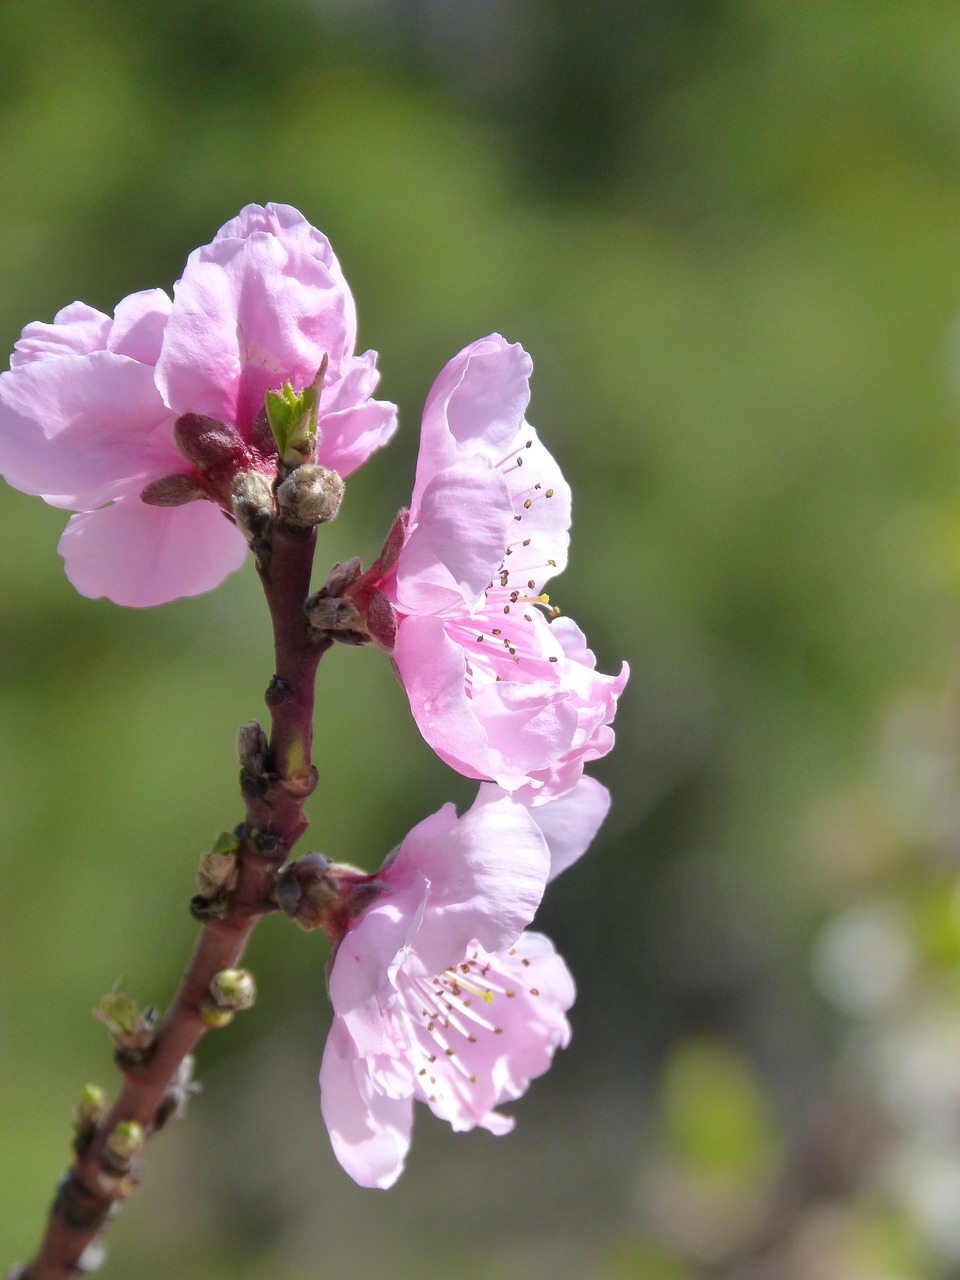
(293, 419)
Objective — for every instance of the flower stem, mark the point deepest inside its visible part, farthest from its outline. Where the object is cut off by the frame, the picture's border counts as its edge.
(274, 821)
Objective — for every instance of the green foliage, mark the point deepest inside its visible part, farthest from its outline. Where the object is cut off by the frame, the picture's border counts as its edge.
(714, 1114)
(727, 233)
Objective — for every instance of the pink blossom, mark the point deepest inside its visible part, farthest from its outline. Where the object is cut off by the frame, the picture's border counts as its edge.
(440, 995)
(497, 690)
(88, 407)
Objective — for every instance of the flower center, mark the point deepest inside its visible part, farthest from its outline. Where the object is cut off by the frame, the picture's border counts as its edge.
(450, 1020)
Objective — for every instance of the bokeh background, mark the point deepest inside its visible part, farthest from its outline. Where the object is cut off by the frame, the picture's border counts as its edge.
(728, 231)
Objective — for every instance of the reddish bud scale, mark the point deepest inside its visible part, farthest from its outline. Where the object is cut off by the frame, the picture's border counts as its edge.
(315, 893)
(218, 454)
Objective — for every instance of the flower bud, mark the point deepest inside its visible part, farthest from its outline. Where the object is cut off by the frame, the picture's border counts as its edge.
(233, 989)
(214, 1017)
(133, 1030)
(310, 495)
(251, 499)
(304, 889)
(315, 892)
(252, 749)
(124, 1144)
(207, 443)
(217, 873)
(334, 615)
(90, 1111)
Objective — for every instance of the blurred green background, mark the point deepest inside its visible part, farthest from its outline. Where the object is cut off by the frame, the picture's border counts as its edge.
(728, 231)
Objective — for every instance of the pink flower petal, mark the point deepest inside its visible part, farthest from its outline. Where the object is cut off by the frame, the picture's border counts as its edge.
(568, 822)
(475, 406)
(502, 730)
(432, 667)
(76, 330)
(138, 555)
(486, 877)
(138, 325)
(369, 1130)
(350, 436)
(290, 226)
(527, 726)
(251, 313)
(79, 430)
(445, 566)
(369, 954)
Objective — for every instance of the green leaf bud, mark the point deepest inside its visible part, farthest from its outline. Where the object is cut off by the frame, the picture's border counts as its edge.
(293, 416)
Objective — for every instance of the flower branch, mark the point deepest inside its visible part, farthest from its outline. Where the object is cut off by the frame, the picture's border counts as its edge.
(183, 433)
(275, 782)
